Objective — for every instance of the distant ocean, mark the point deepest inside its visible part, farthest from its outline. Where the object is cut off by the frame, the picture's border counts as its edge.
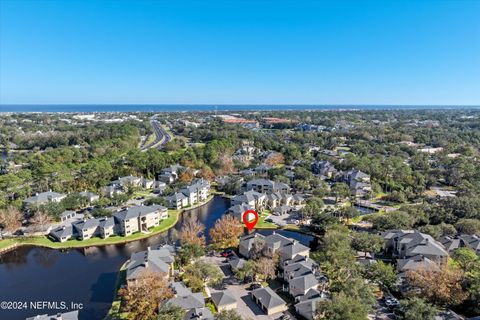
(204, 107)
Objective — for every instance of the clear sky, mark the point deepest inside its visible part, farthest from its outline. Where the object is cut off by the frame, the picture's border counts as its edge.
(240, 52)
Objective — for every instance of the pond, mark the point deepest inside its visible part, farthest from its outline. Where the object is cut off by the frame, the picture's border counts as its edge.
(364, 210)
(86, 275)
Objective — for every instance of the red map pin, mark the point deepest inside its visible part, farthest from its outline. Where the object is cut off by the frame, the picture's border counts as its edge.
(248, 220)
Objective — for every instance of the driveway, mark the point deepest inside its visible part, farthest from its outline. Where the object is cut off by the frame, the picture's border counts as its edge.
(245, 305)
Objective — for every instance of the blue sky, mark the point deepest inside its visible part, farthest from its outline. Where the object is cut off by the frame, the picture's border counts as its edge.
(240, 52)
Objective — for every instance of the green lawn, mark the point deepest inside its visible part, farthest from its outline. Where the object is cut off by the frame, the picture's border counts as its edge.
(114, 312)
(46, 242)
(150, 139)
(143, 193)
(262, 224)
(6, 243)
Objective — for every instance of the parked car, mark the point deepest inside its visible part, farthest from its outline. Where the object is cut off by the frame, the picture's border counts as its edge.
(227, 253)
(285, 316)
(254, 286)
(391, 302)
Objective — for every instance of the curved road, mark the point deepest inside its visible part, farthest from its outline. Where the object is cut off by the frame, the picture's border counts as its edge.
(161, 136)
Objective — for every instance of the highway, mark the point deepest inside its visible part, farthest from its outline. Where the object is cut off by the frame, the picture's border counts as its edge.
(161, 136)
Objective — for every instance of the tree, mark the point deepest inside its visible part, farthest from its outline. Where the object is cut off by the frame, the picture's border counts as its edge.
(200, 274)
(274, 159)
(442, 286)
(141, 298)
(348, 213)
(341, 307)
(40, 220)
(264, 269)
(225, 164)
(466, 258)
(247, 270)
(336, 257)
(313, 206)
(10, 219)
(392, 220)
(186, 176)
(258, 249)
(192, 232)
(322, 219)
(417, 309)
(190, 251)
(468, 226)
(170, 311)
(226, 232)
(382, 274)
(228, 315)
(301, 185)
(74, 201)
(207, 173)
(53, 209)
(472, 284)
(101, 212)
(321, 189)
(366, 242)
(340, 190)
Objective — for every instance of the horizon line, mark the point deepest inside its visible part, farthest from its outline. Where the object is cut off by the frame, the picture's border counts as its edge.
(239, 104)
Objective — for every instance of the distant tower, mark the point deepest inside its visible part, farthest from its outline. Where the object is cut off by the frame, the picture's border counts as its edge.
(216, 110)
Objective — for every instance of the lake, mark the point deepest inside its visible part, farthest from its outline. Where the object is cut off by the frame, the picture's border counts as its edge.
(86, 275)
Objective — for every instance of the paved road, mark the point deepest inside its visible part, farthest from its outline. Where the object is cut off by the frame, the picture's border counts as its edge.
(161, 136)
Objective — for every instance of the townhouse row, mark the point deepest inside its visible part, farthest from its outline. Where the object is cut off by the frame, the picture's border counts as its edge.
(123, 223)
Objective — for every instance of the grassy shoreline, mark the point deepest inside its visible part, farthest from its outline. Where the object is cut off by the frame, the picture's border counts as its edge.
(114, 311)
(44, 241)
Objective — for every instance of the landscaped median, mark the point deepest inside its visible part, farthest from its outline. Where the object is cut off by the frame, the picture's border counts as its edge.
(44, 241)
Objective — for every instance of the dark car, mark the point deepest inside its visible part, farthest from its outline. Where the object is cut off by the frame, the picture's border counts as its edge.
(254, 286)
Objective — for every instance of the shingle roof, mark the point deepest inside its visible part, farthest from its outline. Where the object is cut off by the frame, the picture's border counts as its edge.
(86, 224)
(195, 300)
(297, 270)
(304, 282)
(106, 222)
(43, 197)
(157, 260)
(175, 197)
(248, 196)
(268, 297)
(293, 248)
(308, 307)
(419, 243)
(416, 263)
(180, 289)
(61, 232)
(137, 211)
(223, 298)
(237, 263)
(67, 213)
